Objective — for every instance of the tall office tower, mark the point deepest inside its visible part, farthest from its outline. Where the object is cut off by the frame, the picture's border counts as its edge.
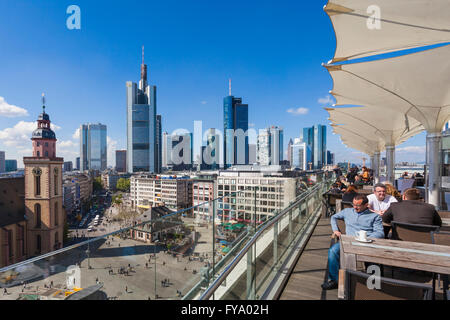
(166, 149)
(141, 124)
(121, 160)
(270, 146)
(330, 158)
(44, 191)
(211, 154)
(93, 147)
(2, 161)
(158, 153)
(78, 163)
(316, 138)
(10, 165)
(301, 156)
(289, 151)
(182, 150)
(235, 118)
(252, 153)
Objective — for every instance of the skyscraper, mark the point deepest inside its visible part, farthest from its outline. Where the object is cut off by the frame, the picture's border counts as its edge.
(270, 146)
(2, 161)
(10, 165)
(158, 154)
(289, 152)
(141, 125)
(211, 154)
(235, 123)
(316, 139)
(93, 147)
(300, 156)
(166, 149)
(121, 160)
(78, 163)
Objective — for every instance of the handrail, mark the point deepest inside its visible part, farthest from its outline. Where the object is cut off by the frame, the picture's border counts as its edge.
(210, 291)
(74, 246)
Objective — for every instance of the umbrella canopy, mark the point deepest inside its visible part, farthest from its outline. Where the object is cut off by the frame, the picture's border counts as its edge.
(354, 140)
(415, 85)
(390, 126)
(368, 27)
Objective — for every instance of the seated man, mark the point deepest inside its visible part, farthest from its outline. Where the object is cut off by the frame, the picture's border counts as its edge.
(379, 201)
(359, 183)
(356, 219)
(412, 210)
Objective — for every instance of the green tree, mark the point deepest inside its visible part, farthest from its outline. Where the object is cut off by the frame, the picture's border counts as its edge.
(98, 185)
(123, 184)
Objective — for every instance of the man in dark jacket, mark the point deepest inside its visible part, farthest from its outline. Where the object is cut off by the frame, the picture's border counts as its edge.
(412, 210)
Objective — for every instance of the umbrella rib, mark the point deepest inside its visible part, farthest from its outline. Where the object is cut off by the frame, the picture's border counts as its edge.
(364, 121)
(391, 92)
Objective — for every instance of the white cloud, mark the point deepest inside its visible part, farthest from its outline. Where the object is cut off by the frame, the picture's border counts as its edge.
(298, 111)
(76, 134)
(11, 111)
(112, 147)
(204, 102)
(412, 149)
(326, 100)
(20, 134)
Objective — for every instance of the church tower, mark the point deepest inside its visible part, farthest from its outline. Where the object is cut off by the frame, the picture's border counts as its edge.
(43, 190)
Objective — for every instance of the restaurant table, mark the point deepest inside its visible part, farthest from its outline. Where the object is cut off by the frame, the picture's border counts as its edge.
(403, 254)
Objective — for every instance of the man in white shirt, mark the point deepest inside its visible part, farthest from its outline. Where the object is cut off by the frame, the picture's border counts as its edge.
(379, 201)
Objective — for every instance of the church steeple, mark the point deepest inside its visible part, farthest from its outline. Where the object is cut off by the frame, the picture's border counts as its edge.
(44, 139)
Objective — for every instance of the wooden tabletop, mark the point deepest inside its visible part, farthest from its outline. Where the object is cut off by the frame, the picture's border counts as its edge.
(413, 255)
(445, 222)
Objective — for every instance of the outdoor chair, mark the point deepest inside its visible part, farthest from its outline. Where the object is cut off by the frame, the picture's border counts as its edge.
(412, 232)
(331, 202)
(443, 239)
(356, 288)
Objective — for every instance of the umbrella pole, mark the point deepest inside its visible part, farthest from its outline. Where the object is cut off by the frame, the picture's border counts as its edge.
(434, 142)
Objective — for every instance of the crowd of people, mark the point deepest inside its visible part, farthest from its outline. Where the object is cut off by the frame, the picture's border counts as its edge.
(373, 213)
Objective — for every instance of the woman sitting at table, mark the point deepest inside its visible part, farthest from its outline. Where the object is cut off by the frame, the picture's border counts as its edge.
(390, 190)
(349, 194)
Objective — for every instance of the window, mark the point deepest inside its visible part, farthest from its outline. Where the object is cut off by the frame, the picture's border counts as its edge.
(38, 244)
(56, 181)
(37, 186)
(56, 214)
(37, 212)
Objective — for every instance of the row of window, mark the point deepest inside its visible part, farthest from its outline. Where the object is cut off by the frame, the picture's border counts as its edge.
(250, 181)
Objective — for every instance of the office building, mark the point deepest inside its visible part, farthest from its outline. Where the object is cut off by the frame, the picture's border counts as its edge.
(181, 155)
(166, 149)
(2, 161)
(203, 191)
(141, 125)
(330, 158)
(93, 147)
(316, 139)
(301, 156)
(10, 165)
(235, 118)
(211, 153)
(121, 160)
(270, 146)
(68, 166)
(158, 154)
(148, 191)
(78, 163)
(289, 152)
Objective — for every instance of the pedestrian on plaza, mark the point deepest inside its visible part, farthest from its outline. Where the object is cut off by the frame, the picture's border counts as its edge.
(126, 289)
(5, 291)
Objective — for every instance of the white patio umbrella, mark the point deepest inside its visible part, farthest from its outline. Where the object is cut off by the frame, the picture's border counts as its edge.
(390, 126)
(368, 27)
(414, 84)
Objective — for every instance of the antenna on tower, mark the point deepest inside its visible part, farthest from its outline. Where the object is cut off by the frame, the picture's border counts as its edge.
(43, 102)
(229, 87)
(142, 54)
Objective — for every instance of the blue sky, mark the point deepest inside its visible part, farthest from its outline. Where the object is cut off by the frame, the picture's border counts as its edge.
(273, 51)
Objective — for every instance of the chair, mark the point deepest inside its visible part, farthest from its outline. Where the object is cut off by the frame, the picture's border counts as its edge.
(442, 238)
(331, 202)
(412, 232)
(356, 288)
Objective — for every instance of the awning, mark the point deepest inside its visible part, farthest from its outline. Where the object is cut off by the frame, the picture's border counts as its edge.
(401, 24)
(415, 85)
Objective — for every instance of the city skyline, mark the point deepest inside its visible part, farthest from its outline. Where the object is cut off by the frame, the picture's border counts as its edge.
(281, 87)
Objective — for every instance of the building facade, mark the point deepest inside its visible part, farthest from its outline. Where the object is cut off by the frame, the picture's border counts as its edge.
(148, 191)
(93, 147)
(142, 152)
(203, 191)
(270, 146)
(68, 166)
(316, 139)
(121, 160)
(10, 165)
(2, 162)
(235, 125)
(301, 157)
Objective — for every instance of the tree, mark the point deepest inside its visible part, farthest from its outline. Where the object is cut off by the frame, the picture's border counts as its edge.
(123, 184)
(98, 185)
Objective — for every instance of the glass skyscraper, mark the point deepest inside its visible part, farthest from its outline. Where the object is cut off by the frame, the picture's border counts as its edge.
(316, 139)
(270, 146)
(93, 147)
(142, 154)
(235, 117)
